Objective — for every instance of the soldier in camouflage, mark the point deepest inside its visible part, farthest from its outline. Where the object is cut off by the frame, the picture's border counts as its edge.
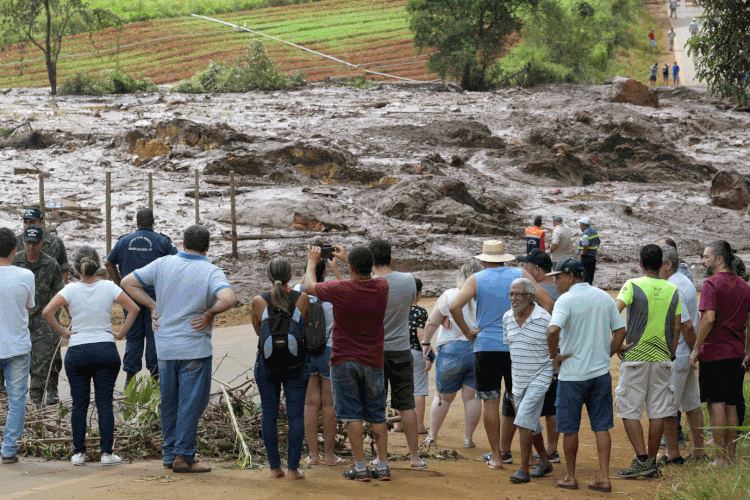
(44, 340)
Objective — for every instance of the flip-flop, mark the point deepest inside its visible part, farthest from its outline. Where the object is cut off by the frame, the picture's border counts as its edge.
(594, 486)
(573, 487)
(339, 461)
(310, 462)
(494, 467)
(398, 430)
(420, 467)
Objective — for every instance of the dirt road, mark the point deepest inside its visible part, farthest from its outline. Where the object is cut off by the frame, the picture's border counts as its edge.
(685, 14)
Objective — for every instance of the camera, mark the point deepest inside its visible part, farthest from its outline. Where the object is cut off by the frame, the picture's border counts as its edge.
(326, 252)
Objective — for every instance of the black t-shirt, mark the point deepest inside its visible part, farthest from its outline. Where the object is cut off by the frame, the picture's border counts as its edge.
(417, 319)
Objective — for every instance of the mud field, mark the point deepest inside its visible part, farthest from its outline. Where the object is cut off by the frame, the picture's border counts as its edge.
(433, 170)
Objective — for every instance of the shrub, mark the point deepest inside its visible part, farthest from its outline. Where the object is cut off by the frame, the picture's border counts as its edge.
(109, 81)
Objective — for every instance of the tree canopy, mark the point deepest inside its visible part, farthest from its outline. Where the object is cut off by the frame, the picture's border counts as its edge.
(723, 48)
(469, 35)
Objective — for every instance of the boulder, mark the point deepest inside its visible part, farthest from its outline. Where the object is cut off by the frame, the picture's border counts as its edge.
(730, 190)
(632, 92)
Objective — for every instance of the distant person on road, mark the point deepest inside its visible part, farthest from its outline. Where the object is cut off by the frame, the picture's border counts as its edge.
(190, 293)
(671, 34)
(587, 327)
(675, 74)
(723, 344)
(131, 252)
(535, 236)
(561, 247)
(673, 9)
(665, 73)
(693, 28)
(357, 379)
(454, 367)
(652, 40)
(652, 74)
(588, 247)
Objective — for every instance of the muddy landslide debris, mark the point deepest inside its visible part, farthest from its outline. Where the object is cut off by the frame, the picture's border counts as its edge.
(629, 91)
(730, 190)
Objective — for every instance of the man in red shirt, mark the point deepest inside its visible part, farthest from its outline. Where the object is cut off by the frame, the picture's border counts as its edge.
(357, 352)
(723, 344)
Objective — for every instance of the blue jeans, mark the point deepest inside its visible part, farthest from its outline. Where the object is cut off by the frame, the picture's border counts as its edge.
(185, 388)
(295, 388)
(99, 361)
(358, 392)
(141, 330)
(17, 382)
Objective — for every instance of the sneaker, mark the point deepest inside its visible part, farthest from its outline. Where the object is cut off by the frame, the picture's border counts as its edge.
(541, 471)
(10, 460)
(487, 457)
(553, 457)
(665, 460)
(52, 398)
(468, 443)
(520, 477)
(78, 459)
(111, 459)
(507, 458)
(638, 468)
(429, 441)
(381, 473)
(36, 397)
(357, 475)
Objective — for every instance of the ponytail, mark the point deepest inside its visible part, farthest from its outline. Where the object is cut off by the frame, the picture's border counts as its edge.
(279, 272)
(721, 248)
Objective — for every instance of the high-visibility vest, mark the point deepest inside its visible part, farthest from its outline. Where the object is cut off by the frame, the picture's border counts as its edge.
(534, 239)
(594, 241)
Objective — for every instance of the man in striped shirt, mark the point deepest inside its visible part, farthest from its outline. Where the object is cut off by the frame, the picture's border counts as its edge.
(525, 331)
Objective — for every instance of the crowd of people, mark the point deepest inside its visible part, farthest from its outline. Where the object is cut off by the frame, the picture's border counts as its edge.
(527, 347)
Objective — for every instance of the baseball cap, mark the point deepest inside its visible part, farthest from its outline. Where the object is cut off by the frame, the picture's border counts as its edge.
(569, 265)
(538, 258)
(585, 220)
(33, 213)
(33, 233)
(557, 218)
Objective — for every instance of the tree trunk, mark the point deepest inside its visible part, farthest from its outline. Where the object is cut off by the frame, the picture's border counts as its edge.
(466, 78)
(52, 74)
(51, 66)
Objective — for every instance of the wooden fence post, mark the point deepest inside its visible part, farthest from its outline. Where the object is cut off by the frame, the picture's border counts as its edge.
(197, 198)
(234, 214)
(41, 196)
(151, 191)
(109, 212)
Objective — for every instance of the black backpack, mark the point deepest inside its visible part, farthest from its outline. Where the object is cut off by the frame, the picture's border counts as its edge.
(282, 345)
(315, 333)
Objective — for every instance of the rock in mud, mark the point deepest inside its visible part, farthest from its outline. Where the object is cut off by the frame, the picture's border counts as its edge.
(461, 133)
(629, 91)
(730, 190)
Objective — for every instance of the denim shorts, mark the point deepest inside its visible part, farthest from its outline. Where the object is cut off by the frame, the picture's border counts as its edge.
(454, 367)
(319, 364)
(358, 392)
(596, 393)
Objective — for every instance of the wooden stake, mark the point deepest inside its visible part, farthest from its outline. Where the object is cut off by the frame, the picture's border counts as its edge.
(109, 212)
(234, 214)
(151, 191)
(197, 198)
(41, 196)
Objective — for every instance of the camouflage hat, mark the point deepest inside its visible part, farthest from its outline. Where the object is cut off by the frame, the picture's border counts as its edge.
(33, 213)
(33, 234)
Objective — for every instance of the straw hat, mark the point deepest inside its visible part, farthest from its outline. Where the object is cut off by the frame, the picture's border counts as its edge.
(492, 251)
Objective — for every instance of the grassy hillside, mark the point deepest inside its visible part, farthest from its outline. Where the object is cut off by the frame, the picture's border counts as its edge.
(369, 32)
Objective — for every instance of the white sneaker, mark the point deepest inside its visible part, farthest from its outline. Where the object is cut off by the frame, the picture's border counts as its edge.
(468, 443)
(78, 459)
(110, 459)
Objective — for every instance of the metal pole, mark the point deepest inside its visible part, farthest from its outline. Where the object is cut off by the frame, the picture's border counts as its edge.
(109, 212)
(41, 196)
(151, 191)
(234, 215)
(197, 198)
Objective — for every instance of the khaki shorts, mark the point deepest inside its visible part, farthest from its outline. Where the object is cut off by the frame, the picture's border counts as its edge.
(645, 383)
(685, 383)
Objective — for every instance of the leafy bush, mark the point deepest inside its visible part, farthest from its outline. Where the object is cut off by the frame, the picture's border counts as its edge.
(253, 71)
(109, 81)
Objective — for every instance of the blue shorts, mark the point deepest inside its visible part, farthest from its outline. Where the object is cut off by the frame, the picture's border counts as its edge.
(319, 364)
(595, 393)
(454, 367)
(358, 392)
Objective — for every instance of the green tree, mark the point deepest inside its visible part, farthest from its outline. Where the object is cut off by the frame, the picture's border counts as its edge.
(469, 35)
(723, 46)
(44, 23)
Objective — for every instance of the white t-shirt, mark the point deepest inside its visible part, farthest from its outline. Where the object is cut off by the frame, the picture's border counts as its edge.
(90, 307)
(17, 291)
(689, 301)
(446, 335)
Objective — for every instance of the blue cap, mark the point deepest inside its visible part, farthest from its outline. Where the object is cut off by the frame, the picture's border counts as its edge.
(33, 233)
(557, 218)
(569, 265)
(33, 213)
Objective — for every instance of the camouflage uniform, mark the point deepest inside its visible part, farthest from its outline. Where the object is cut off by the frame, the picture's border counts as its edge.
(44, 340)
(52, 246)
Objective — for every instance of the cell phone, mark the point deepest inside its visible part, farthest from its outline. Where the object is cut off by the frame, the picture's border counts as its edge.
(326, 252)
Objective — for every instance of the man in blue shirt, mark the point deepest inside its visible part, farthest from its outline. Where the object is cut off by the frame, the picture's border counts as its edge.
(132, 252)
(588, 246)
(190, 292)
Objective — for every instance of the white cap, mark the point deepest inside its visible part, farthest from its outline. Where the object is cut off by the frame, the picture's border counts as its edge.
(585, 220)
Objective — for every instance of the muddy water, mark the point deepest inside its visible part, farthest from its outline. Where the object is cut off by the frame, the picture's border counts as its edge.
(434, 172)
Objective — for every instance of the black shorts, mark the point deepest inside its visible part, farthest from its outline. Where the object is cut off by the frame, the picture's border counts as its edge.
(549, 409)
(721, 381)
(508, 409)
(399, 374)
(490, 369)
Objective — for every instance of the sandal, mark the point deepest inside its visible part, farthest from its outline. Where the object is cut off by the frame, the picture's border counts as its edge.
(339, 461)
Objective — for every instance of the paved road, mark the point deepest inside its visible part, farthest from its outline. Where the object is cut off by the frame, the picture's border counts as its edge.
(685, 14)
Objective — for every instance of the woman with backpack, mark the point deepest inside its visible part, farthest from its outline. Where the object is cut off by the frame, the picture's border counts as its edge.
(319, 398)
(92, 353)
(280, 318)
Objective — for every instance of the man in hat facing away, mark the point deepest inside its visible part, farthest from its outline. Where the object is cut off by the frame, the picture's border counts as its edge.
(491, 355)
